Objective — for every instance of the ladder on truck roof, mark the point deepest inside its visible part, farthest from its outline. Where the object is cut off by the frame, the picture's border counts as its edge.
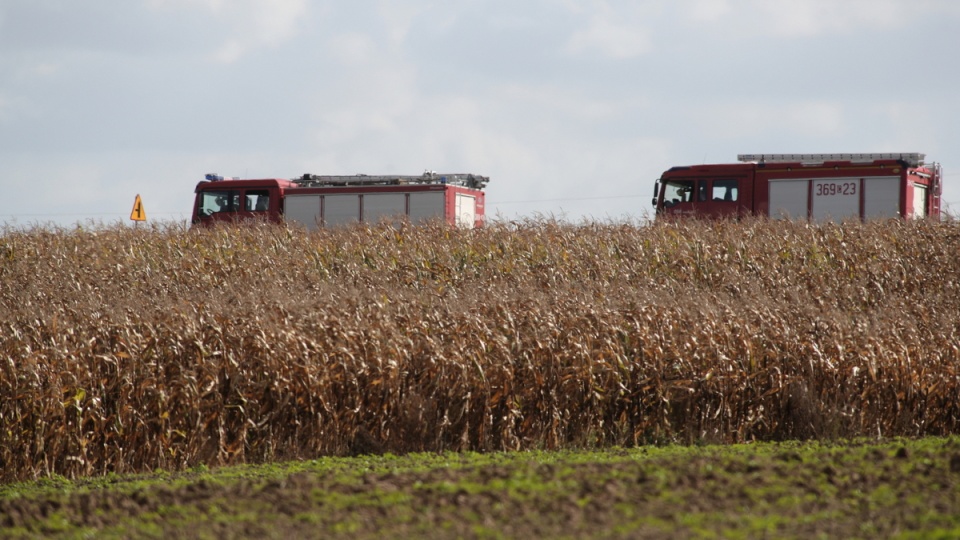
(473, 181)
(912, 159)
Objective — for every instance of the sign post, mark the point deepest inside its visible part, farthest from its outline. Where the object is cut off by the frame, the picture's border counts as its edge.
(138, 213)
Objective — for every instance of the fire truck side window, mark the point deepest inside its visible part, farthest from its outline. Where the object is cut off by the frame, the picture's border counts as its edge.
(257, 200)
(677, 191)
(218, 201)
(725, 190)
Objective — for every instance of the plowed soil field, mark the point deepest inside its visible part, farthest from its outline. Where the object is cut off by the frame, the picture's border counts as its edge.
(897, 488)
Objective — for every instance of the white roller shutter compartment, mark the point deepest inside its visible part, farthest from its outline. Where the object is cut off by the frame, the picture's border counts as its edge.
(302, 209)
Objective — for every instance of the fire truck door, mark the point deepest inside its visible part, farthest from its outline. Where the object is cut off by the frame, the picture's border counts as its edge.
(217, 205)
(678, 196)
(719, 197)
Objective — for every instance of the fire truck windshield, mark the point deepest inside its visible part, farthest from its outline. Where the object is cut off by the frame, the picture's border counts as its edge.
(677, 191)
(212, 202)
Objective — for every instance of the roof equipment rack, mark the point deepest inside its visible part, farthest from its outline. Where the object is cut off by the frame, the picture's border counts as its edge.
(912, 159)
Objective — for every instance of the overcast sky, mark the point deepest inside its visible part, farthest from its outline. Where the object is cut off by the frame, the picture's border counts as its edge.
(572, 107)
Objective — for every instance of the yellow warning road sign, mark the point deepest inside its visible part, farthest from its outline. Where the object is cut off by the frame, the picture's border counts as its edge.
(138, 213)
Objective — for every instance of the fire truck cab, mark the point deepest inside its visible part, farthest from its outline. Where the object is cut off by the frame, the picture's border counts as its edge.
(818, 187)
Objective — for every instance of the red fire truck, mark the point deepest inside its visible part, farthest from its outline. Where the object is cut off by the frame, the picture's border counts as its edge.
(324, 201)
(804, 186)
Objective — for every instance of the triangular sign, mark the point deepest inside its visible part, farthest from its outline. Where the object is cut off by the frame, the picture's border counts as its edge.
(138, 213)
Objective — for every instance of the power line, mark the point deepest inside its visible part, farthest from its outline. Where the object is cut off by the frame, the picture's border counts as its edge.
(569, 200)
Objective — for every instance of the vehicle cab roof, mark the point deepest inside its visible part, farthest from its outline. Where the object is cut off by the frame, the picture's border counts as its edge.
(207, 185)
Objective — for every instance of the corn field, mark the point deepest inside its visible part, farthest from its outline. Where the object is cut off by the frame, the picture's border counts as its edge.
(128, 349)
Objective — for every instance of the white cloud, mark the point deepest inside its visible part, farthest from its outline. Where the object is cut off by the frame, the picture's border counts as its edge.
(618, 33)
(211, 5)
(707, 10)
(375, 93)
(398, 17)
(352, 48)
(252, 23)
(802, 18)
(811, 17)
(45, 69)
(804, 118)
(907, 130)
(72, 183)
(272, 21)
(231, 51)
(556, 102)
(816, 117)
(611, 39)
(807, 18)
